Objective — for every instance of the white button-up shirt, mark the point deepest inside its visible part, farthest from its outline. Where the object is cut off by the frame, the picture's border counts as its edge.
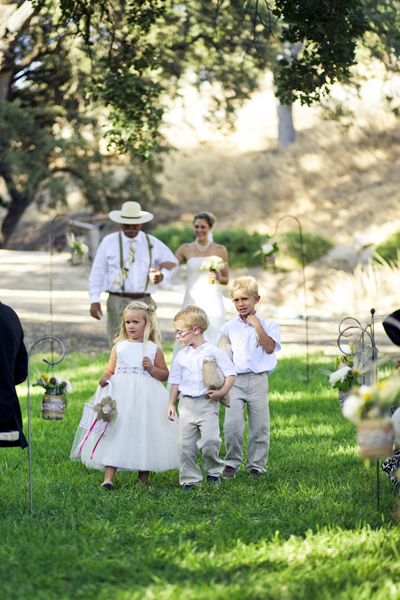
(107, 266)
(248, 354)
(187, 368)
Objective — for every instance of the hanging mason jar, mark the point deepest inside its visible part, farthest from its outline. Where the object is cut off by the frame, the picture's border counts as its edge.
(53, 405)
(269, 260)
(375, 438)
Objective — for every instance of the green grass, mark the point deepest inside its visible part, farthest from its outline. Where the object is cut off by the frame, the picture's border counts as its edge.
(309, 529)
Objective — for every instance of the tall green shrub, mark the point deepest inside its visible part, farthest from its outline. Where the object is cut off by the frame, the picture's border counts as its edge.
(244, 248)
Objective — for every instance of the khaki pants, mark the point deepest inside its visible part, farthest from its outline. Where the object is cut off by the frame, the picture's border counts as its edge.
(250, 389)
(115, 308)
(198, 415)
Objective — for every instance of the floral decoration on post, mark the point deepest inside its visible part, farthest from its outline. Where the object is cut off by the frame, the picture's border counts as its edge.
(268, 252)
(79, 249)
(55, 397)
(370, 408)
(212, 263)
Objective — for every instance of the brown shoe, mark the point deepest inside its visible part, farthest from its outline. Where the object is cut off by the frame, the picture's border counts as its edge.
(229, 472)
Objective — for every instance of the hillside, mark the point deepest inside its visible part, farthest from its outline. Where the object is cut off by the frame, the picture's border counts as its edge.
(341, 181)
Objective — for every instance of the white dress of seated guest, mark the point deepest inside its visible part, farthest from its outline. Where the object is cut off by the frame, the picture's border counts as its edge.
(205, 295)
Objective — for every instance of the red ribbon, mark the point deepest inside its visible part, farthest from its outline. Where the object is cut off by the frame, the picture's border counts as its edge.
(90, 431)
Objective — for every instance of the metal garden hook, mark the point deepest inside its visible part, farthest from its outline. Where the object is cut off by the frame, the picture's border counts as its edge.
(51, 363)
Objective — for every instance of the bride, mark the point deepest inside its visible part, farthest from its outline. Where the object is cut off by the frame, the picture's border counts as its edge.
(198, 289)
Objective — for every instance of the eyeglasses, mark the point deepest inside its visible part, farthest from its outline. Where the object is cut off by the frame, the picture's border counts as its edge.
(180, 333)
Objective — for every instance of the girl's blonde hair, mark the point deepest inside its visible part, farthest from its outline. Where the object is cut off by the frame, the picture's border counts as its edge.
(151, 331)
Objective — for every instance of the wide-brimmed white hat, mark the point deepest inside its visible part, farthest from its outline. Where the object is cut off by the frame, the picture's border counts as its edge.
(130, 214)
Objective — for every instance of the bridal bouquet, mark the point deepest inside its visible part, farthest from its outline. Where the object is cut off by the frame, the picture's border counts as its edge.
(212, 263)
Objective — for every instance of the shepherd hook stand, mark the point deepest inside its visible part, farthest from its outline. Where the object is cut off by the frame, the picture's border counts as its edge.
(374, 375)
(47, 337)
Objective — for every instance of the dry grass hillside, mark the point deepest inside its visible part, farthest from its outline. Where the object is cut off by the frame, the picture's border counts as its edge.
(339, 181)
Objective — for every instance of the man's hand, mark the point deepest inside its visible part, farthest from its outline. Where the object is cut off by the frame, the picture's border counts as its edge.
(95, 310)
(155, 276)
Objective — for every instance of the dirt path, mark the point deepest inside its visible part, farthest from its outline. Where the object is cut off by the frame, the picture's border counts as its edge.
(25, 286)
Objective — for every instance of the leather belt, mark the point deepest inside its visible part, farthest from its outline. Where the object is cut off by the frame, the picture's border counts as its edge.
(127, 295)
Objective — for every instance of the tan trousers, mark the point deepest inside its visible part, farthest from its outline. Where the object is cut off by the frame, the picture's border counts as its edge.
(115, 308)
(198, 415)
(249, 389)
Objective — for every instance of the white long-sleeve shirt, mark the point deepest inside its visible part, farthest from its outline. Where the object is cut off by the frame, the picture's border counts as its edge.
(248, 354)
(106, 265)
(187, 368)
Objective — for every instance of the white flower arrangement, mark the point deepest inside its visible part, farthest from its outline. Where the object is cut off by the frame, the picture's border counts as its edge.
(343, 377)
(52, 383)
(367, 402)
(77, 246)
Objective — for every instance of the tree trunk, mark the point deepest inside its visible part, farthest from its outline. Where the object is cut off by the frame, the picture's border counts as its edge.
(19, 203)
(15, 16)
(286, 130)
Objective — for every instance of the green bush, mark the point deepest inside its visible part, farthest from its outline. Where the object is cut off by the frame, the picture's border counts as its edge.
(244, 248)
(389, 249)
(314, 246)
(174, 237)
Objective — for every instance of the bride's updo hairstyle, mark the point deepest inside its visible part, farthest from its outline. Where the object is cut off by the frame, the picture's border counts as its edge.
(209, 217)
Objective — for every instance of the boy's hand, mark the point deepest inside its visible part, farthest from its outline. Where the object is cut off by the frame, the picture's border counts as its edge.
(171, 413)
(253, 320)
(215, 394)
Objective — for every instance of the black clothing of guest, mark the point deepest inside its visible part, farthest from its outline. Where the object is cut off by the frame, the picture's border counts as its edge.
(14, 370)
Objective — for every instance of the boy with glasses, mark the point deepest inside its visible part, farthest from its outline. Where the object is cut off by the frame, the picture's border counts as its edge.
(198, 406)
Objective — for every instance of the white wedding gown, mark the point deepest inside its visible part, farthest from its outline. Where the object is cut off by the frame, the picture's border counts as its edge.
(205, 295)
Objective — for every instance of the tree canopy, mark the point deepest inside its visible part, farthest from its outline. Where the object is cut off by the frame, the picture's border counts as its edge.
(78, 75)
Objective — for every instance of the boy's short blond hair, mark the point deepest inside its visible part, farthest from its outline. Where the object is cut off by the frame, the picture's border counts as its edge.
(248, 284)
(193, 316)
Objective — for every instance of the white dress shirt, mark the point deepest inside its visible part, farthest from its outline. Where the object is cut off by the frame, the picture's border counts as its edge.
(106, 265)
(248, 354)
(187, 368)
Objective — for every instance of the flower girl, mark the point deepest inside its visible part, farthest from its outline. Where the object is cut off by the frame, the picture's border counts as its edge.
(141, 438)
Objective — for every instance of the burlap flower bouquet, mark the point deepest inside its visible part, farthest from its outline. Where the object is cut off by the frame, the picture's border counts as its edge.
(213, 376)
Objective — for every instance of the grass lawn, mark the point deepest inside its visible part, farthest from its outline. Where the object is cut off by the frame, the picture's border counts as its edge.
(308, 529)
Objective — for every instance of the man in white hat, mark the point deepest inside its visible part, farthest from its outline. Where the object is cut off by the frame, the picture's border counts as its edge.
(130, 263)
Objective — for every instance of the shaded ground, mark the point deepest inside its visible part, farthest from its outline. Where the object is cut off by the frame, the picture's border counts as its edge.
(27, 277)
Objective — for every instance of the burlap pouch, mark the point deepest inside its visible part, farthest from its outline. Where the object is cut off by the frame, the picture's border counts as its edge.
(225, 344)
(214, 379)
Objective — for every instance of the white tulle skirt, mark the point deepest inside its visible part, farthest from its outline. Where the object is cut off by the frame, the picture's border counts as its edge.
(142, 438)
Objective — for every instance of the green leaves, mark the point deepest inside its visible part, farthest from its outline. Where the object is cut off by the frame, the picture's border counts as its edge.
(328, 31)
